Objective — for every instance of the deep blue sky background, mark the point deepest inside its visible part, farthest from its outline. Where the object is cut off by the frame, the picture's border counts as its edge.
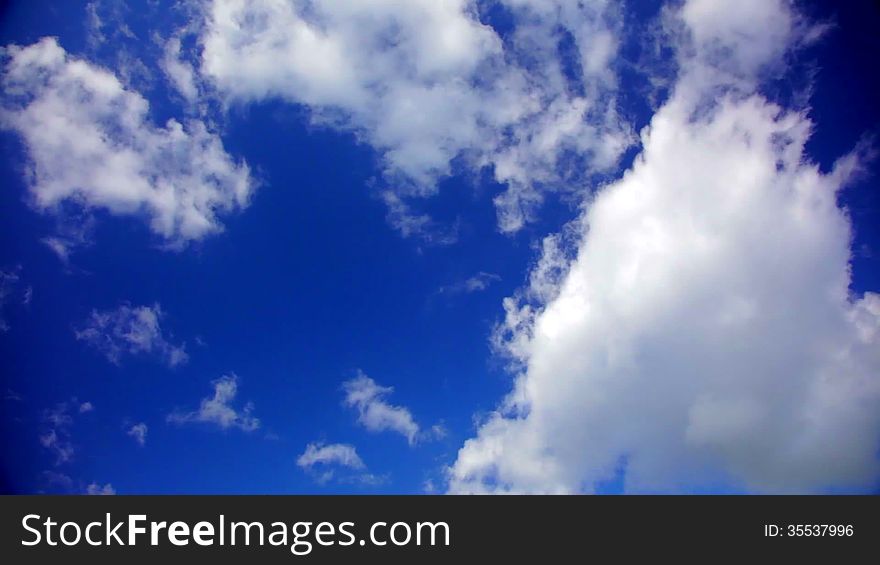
(306, 286)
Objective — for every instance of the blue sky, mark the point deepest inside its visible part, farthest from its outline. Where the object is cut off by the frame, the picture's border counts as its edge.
(361, 252)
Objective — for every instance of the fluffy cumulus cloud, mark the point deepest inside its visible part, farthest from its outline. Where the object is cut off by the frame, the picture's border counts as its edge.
(373, 68)
(701, 328)
(218, 410)
(374, 413)
(91, 141)
(131, 330)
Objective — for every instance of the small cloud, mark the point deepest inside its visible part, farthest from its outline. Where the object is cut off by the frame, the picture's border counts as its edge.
(480, 281)
(130, 330)
(57, 423)
(57, 481)
(60, 247)
(9, 279)
(374, 413)
(179, 71)
(411, 224)
(337, 461)
(58, 416)
(341, 454)
(366, 479)
(96, 489)
(477, 283)
(217, 410)
(73, 231)
(438, 431)
(94, 25)
(61, 447)
(60, 482)
(139, 433)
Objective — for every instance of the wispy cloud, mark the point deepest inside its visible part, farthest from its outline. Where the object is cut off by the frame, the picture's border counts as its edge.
(367, 397)
(57, 422)
(341, 454)
(217, 410)
(339, 462)
(179, 72)
(138, 432)
(131, 330)
(101, 490)
(410, 223)
(9, 281)
(476, 283)
(57, 481)
(56, 440)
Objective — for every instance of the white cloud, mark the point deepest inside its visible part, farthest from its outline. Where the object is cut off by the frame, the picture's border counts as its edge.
(59, 247)
(131, 330)
(57, 442)
(94, 24)
(742, 39)
(217, 410)
(59, 416)
(57, 422)
(374, 68)
(704, 331)
(413, 224)
(438, 431)
(73, 230)
(90, 141)
(57, 480)
(367, 479)
(374, 413)
(179, 72)
(139, 433)
(97, 489)
(480, 281)
(339, 461)
(64, 483)
(105, 23)
(476, 283)
(341, 454)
